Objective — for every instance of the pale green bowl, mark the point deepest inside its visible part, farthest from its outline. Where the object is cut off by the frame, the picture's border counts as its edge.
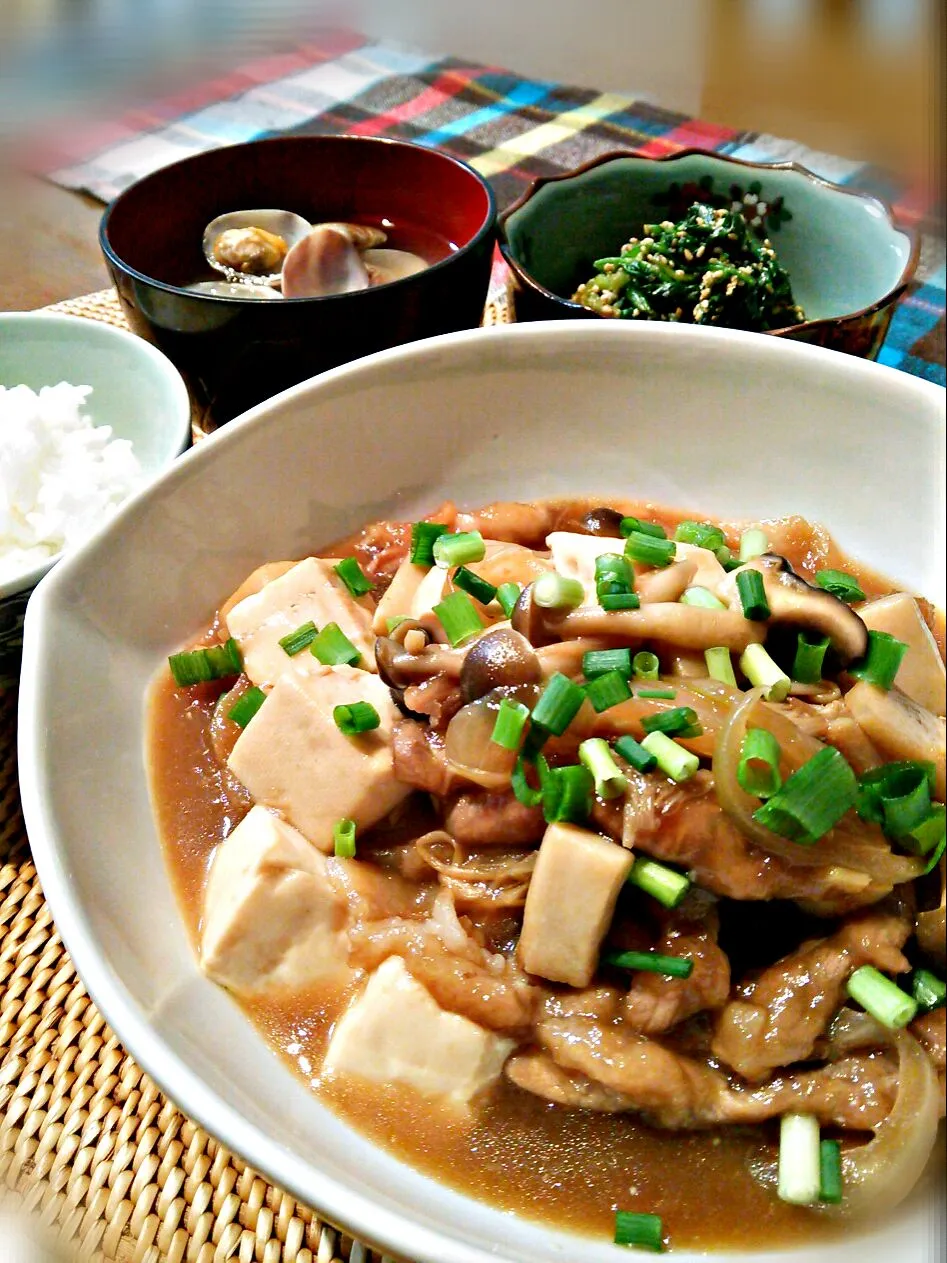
(135, 389)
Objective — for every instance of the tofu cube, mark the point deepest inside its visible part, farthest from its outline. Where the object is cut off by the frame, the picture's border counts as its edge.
(293, 758)
(310, 591)
(570, 903)
(271, 917)
(921, 673)
(395, 1032)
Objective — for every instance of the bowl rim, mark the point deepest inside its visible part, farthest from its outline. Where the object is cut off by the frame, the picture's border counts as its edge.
(824, 323)
(178, 411)
(487, 227)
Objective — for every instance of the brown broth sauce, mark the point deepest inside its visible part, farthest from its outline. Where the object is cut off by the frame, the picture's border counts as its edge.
(570, 1169)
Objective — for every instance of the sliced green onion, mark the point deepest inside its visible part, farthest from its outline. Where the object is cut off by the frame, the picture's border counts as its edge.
(610, 780)
(507, 596)
(762, 672)
(296, 641)
(753, 543)
(649, 550)
(830, 1171)
(645, 665)
(720, 665)
(423, 535)
(753, 595)
(845, 586)
(651, 963)
(458, 549)
(929, 834)
(799, 1178)
(639, 1229)
(343, 839)
(510, 722)
(553, 591)
(665, 694)
(758, 769)
(354, 578)
(197, 666)
(880, 664)
(522, 790)
(929, 991)
(620, 601)
(934, 858)
(677, 722)
(567, 794)
(635, 754)
(724, 556)
(701, 535)
(558, 704)
(246, 706)
(600, 661)
(459, 618)
(897, 796)
(882, 998)
(702, 598)
(812, 800)
(353, 718)
(660, 882)
(634, 525)
(673, 760)
(808, 664)
(333, 648)
(607, 690)
(478, 588)
(614, 568)
(394, 622)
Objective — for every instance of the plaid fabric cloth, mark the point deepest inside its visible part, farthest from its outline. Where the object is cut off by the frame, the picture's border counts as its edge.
(510, 128)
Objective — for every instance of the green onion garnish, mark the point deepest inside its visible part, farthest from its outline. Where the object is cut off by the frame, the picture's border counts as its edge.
(197, 666)
(701, 535)
(845, 586)
(553, 591)
(702, 598)
(897, 796)
(809, 663)
(882, 998)
(510, 722)
(758, 769)
(333, 648)
(812, 800)
(929, 991)
(522, 790)
(600, 661)
(610, 780)
(567, 794)
(354, 578)
(645, 665)
(762, 672)
(558, 704)
(651, 963)
(246, 706)
(720, 665)
(613, 568)
(673, 760)
(660, 882)
(753, 543)
(799, 1170)
(353, 718)
(607, 690)
(620, 601)
(632, 752)
(632, 525)
(459, 618)
(753, 595)
(880, 664)
(507, 596)
(649, 550)
(639, 1229)
(928, 836)
(297, 640)
(665, 694)
(458, 549)
(343, 839)
(830, 1171)
(478, 588)
(423, 535)
(681, 721)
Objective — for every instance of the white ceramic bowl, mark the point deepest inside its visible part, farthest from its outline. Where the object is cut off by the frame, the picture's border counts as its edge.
(725, 422)
(135, 389)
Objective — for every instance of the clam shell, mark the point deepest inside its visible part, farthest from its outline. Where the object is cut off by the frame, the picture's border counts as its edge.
(362, 236)
(291, 227)
(391, 265)
(234, 289)
(323, 263)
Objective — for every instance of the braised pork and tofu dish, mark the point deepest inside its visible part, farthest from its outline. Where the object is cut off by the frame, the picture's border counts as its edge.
(588, 856)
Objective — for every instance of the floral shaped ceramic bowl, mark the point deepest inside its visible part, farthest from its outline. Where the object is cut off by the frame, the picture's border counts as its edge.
(847, 261)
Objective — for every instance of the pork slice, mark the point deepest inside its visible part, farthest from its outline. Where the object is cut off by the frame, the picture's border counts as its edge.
(439, 697)
(930, 1029)
(419, 759)
(537, 1072)
(483, 818)
(778, 1019)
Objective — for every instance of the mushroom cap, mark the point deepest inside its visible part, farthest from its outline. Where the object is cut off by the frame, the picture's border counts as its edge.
(601, 520)
(501, 658)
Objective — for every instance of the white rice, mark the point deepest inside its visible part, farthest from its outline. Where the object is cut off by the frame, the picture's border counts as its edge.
(61, 475)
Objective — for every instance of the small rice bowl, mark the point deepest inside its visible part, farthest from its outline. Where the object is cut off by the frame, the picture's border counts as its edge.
(61, 476)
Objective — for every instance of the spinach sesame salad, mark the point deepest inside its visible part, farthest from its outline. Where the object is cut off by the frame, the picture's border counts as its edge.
(709, 268)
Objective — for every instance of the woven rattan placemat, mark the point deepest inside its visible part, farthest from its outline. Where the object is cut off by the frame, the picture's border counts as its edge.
(88, 1143)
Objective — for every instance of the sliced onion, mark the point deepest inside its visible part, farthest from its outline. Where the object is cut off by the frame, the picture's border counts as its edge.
(494, 879)
(467, 744)
(851, 844)
(711, 700)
